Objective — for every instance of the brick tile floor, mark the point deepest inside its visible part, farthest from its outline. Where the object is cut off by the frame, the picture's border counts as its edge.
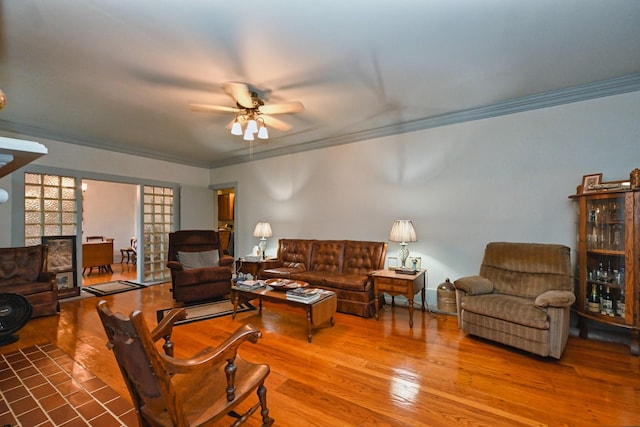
(42, 386)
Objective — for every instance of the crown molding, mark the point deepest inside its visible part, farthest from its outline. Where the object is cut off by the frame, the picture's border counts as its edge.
(610, 87)
(604, 88)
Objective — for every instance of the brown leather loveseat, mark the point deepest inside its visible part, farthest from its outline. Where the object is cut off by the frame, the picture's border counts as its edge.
(21, 273)
(341, 266)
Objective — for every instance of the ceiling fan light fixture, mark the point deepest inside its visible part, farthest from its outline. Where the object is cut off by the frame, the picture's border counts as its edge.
(252, 126)
(263, 133)
(248, 136)
(236, 128)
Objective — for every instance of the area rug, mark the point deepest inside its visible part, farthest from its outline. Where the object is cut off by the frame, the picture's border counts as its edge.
(111, 288)
(207, 310)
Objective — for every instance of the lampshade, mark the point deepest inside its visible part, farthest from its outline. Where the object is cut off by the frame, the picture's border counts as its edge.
(263, 133)
(248, 135)
(252, 126)
(262, 230)
(236, 128)
(402, 231)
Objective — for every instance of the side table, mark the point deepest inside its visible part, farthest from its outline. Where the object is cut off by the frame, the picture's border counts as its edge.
(392, 283)
(254, 267)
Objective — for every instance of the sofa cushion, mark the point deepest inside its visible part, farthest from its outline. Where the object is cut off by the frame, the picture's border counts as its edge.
(26, 288)
(361, 258)
(198, 276)
(295, 253)
(328, 255)
(355, 282)
(311, 277)
(190, 260)
(279, 272)
(509, 308)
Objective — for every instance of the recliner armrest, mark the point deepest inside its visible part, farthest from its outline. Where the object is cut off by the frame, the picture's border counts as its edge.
(175, 265)
(555, 299)
(226, 261)
(474, 285)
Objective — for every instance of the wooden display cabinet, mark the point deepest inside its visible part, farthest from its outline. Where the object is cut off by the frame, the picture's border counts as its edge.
(607, 279)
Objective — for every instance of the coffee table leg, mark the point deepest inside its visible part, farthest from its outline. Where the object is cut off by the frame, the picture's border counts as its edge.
(309, 323)
(260, 308)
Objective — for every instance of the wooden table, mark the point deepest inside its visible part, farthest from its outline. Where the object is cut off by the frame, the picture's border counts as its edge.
(392, 283)
(318, 312)
(98, 254)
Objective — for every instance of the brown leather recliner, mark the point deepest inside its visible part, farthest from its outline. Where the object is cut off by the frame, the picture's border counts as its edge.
(21, 273)
(199, 269)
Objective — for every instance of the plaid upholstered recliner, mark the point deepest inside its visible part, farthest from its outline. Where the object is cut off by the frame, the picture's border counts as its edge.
(521, 297)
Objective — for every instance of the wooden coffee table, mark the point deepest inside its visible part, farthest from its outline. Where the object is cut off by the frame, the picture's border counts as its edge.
(318, 312)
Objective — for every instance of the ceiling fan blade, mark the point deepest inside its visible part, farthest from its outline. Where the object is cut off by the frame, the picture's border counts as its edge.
(209, 107)
(282, 108)
(272, 122)
(239, 92)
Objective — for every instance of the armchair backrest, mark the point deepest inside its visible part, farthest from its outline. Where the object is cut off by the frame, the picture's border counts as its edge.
(193, 241)
(21, 264)
(527, 269)
(141, 364)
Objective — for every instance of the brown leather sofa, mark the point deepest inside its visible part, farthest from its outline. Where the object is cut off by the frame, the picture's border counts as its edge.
(198, 281)
(21, 273)
(341, 266)
(522, 297)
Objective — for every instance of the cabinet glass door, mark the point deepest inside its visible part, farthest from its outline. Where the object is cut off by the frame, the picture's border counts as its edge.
(605, 284)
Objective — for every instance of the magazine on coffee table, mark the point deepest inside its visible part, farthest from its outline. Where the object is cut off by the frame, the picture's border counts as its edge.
(307, 295)
(250, 285)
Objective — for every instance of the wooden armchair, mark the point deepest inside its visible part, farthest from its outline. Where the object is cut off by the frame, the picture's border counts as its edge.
(167, 391)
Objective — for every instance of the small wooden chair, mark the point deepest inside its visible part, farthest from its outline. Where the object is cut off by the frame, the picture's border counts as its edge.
(130, 252)
(167, 391)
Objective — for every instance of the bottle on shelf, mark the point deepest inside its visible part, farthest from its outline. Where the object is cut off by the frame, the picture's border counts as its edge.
(593, 304)
(606, 305)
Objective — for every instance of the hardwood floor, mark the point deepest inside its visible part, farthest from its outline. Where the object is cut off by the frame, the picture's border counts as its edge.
(364, 372)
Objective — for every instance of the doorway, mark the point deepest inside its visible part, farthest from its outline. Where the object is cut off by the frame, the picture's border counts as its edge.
(110, 210)
(226, 198)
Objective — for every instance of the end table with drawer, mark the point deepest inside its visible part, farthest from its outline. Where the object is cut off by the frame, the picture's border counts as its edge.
(392, 283)
(254, 267)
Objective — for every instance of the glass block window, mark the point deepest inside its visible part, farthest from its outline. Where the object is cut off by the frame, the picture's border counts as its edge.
(158, 223)
(50, 207)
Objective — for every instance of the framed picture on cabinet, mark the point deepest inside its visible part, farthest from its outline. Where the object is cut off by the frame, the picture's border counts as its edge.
(589, 182)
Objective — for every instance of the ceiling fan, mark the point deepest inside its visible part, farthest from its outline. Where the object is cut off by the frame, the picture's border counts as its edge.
(251, 112)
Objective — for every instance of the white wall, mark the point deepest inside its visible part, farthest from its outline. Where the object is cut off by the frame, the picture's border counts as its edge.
(109, 210)
(506, 178)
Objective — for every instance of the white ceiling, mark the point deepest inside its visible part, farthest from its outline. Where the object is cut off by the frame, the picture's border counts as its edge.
(120, 74)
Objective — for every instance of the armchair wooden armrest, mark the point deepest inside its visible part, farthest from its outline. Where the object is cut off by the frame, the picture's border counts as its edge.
(165, 329)
(210, 356)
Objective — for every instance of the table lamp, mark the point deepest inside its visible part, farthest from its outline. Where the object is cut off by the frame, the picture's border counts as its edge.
(402, 231)
(262, 230)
